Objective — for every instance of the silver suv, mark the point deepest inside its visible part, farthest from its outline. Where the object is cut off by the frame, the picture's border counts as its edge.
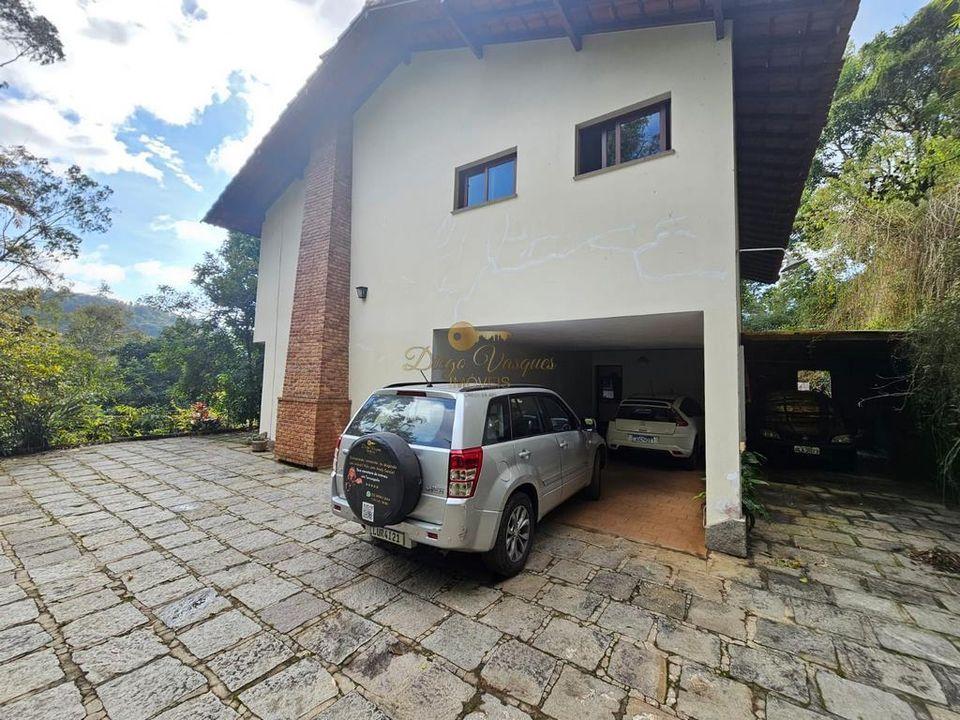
(463, 467)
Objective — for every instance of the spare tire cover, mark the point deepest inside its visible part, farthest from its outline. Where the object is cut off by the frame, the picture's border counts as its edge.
(381, 478)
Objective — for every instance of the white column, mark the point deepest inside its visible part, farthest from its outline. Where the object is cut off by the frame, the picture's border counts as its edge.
(726, 531)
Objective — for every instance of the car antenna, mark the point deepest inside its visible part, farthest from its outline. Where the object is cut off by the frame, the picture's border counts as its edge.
(429, 384)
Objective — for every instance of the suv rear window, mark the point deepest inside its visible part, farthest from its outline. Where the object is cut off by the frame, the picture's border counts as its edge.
(418, 420)
(650, 413)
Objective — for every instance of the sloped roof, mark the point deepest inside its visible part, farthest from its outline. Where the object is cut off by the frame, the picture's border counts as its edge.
(787, 57)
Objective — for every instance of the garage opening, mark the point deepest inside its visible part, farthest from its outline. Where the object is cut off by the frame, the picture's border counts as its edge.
(827, 407)
(641, 378)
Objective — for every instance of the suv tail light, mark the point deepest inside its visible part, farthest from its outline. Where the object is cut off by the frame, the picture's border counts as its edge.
(336, 452)
(680, 420)
(464, 472)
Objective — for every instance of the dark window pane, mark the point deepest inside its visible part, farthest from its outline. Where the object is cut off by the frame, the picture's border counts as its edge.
(610, 141)
(501, 179)
(591, 145)
(418, 420)
(557, 416)
(474, 189)
(640, 137)
(525, 415)
(496, 429)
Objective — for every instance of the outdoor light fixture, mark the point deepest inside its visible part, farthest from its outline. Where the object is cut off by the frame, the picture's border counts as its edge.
(362, 292)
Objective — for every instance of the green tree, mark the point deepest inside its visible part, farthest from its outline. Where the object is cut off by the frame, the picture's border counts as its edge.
(195, 353)
(146, 382)
(224, 366)
(49, 390)
(99, 329)
(890, 146)
(30, 35)
(43, 216)
(903, 86)
(228, 279)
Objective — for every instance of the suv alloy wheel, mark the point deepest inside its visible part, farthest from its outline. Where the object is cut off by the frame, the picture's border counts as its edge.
(514, 538)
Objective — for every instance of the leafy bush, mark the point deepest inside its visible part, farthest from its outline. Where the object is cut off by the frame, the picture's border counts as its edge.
(198, 418)
(50, 393)
(752, 478)
(934, 348)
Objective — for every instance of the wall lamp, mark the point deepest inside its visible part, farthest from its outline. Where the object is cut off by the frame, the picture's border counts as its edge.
(362, 292)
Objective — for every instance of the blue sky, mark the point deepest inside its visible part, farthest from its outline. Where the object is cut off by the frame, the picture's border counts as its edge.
(164, 100)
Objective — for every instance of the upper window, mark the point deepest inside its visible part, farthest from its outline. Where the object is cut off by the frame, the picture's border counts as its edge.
(487, 180)
(623, 138)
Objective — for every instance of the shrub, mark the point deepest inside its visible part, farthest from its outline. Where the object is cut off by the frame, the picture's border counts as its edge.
(50, 393)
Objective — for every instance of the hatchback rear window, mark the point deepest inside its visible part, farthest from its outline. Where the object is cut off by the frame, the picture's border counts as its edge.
(650, 413)
(418, 420)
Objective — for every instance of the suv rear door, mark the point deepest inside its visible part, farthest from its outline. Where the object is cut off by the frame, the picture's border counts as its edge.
(565, 427)
(538, 454)
(425, 420)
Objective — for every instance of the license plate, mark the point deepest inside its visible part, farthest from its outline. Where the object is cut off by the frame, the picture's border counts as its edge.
(391, 536)
(644, 438)
(806, 450)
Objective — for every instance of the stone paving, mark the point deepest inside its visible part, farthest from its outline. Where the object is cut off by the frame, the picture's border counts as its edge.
(189, 579)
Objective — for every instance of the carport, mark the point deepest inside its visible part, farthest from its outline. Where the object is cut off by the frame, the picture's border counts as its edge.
(860, 370)
(594, 364)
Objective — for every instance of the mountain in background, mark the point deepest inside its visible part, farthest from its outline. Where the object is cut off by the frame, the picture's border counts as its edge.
(58, 304)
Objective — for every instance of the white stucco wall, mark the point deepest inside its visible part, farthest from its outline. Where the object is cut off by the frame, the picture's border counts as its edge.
(656, 237)
(279, 246)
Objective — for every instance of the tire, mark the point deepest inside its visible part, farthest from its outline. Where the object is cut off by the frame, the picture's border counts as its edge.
(593, 490)
(381, 479)
(512, 546)
(693, 462)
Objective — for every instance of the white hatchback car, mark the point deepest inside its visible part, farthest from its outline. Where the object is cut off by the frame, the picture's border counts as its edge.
(672, 425)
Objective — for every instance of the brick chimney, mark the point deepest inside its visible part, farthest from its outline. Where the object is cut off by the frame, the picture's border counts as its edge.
(314, 406)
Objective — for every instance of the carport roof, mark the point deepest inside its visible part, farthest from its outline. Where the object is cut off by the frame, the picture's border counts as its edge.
(787, 57)
(661, 331)
(822, 346)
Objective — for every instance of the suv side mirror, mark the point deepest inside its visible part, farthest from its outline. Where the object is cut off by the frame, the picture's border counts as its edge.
(589, 424)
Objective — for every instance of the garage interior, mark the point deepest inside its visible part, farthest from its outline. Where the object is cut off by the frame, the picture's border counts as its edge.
(863, 373)
(594, 364)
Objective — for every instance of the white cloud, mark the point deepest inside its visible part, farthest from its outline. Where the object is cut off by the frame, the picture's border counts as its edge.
(171, 59)
(193, 234)
(170, 159)
(38, 124)
(161, 273)
(86, 272)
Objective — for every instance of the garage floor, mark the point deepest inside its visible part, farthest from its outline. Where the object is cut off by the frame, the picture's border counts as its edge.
(645, 499)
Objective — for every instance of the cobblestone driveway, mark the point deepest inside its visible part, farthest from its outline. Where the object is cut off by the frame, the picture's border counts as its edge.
(188, 579)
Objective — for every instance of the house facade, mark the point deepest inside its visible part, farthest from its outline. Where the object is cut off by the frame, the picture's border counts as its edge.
(563, 204)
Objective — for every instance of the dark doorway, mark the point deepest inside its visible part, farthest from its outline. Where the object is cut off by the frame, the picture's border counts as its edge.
(609, 393)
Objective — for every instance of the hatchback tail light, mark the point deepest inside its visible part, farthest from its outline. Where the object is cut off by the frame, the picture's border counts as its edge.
(680, 420)
(464, 472)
